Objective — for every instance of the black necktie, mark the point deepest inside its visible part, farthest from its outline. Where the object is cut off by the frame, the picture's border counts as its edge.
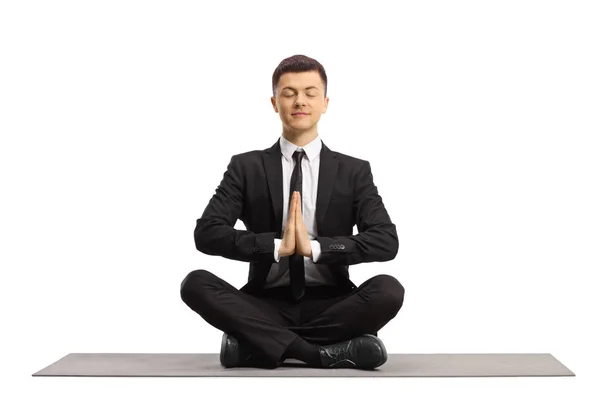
(296, 261)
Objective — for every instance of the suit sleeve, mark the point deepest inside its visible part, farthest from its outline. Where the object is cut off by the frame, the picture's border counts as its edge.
(376, 240)
(214, 234)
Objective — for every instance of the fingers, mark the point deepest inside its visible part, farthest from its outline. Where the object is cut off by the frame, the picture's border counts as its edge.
(292, 208)
(297, 202)
(298, 212)
(295, 209)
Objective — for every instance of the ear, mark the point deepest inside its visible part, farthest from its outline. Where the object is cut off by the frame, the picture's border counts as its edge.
(274, 104)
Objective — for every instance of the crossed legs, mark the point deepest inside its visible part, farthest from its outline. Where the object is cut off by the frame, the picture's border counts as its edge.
(271, 325)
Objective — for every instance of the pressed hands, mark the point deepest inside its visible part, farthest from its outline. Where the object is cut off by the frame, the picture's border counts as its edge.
(295, 237)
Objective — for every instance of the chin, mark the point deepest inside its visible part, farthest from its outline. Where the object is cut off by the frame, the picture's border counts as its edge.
(302, 122)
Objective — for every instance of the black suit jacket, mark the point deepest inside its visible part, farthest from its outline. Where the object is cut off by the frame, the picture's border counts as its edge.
(252, 191)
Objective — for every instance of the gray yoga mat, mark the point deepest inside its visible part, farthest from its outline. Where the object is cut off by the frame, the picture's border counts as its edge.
(397, 365)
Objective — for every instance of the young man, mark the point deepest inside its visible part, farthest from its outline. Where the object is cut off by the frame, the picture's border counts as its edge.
(299, 201)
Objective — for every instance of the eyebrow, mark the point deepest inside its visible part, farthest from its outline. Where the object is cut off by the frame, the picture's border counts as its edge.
(309, 87)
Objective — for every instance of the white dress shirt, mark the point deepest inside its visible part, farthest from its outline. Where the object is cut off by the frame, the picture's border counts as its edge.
(315, 274)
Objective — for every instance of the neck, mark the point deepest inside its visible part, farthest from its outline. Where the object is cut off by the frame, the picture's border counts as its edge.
(300, 138)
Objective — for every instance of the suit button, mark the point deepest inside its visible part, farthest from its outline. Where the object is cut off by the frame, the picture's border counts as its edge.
(342, 247)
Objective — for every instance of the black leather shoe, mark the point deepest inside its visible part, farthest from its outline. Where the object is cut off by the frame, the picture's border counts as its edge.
(363, 352)
(236, 354)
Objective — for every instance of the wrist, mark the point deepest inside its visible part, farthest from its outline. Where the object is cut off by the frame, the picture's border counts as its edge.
(283, 253)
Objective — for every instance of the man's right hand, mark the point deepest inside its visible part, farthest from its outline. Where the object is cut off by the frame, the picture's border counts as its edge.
(288, 241)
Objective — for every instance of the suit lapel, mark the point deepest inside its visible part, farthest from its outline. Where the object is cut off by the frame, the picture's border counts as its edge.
(273, 170)
(327, 173)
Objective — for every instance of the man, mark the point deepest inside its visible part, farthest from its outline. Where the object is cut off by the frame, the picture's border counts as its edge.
(299, 301)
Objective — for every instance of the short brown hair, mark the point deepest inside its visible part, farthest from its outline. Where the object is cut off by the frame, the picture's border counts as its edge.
(299, 63)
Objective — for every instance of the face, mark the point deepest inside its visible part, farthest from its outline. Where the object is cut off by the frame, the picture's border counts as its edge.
(300, 92)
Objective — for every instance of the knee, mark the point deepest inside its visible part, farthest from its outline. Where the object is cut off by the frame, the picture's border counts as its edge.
(392, 292)
(192, 282)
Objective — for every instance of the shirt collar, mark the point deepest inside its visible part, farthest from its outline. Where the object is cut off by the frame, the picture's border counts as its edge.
(312, 149)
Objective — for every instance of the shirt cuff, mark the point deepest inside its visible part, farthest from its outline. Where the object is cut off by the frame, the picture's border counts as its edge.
(276, 251)
(316, 250)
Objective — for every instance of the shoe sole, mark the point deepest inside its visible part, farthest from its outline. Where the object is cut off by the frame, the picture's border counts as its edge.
(383, 349)
(223, 349)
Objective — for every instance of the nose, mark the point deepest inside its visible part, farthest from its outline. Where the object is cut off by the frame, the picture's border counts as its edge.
(300, 101)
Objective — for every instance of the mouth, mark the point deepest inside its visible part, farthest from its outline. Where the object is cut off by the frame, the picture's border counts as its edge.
(299, 114)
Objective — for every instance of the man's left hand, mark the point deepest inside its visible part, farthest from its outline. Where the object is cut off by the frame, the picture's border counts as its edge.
(303, 246)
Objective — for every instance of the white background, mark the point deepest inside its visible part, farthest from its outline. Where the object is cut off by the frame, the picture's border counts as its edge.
(479, 118)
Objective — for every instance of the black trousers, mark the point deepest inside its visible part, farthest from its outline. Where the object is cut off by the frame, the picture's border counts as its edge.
(271, 320)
